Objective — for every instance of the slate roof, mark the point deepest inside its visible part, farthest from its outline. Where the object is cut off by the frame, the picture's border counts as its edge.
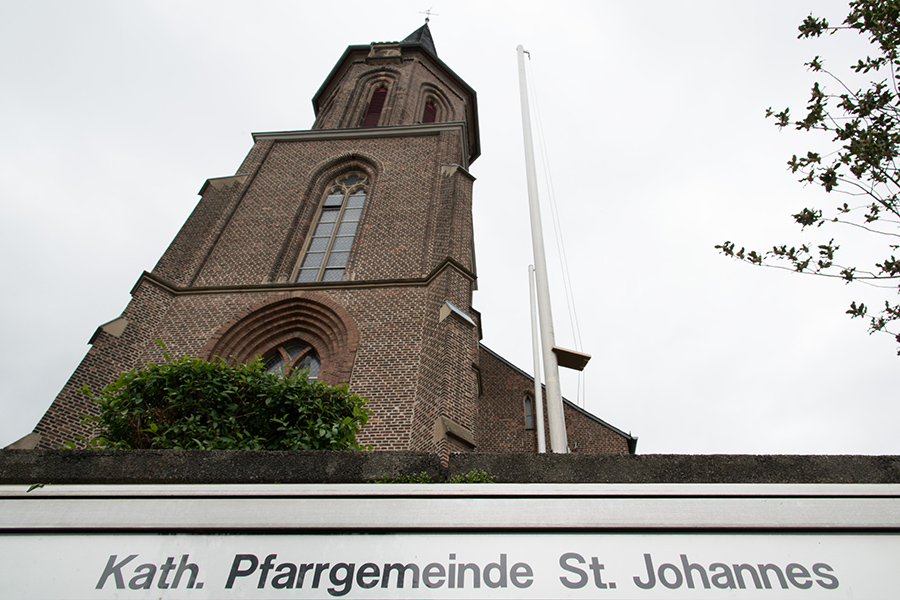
(422, 36)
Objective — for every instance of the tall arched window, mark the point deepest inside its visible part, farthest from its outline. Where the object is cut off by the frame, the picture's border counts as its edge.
(529, 412)
(292, 357)
(373, 112)
(329, 246)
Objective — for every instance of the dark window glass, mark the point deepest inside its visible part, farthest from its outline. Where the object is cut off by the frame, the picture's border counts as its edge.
(529, 412)
(293, 357)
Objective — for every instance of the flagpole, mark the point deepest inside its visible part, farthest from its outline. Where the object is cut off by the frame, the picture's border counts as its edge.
(536, 355)
(555, 415)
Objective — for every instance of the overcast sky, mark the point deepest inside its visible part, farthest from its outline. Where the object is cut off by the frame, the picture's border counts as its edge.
(113, 114)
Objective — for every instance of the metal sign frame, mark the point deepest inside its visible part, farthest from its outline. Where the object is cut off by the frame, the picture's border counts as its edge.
(443, 507)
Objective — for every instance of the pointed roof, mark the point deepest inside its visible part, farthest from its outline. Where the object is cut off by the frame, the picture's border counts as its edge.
(422, 36)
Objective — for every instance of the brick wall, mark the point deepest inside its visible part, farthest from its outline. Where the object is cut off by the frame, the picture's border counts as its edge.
(412, 78)
(109, 355)
(501, 415)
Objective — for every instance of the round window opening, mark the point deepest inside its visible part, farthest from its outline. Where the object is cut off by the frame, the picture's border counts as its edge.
(291, 358)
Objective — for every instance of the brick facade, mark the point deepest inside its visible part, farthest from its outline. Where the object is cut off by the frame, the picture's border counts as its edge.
(226, 286)
(501, 415)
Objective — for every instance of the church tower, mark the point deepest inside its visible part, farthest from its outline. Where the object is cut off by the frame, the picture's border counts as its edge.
(346, 249)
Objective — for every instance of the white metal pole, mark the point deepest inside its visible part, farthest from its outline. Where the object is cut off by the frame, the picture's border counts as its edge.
(555, 414)
(536, 351)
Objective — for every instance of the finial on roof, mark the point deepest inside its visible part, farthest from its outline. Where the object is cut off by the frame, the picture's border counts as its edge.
(422, 36)
(428, 14)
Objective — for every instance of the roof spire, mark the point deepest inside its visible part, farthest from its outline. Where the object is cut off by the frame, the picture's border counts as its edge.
(422, 37)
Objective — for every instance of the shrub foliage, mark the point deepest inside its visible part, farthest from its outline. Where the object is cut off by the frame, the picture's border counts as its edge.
(189, 403)
(473, 476)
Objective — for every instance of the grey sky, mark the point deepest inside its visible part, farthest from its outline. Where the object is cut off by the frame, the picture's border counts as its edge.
(114, 113)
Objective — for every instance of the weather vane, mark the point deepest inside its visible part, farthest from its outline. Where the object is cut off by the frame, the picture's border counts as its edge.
(428, 14)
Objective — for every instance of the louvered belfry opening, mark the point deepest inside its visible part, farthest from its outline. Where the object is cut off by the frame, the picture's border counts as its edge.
(430, 113)
(373, 112)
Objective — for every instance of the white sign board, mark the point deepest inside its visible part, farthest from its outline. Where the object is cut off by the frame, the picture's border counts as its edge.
(484, 566)
(450, 542)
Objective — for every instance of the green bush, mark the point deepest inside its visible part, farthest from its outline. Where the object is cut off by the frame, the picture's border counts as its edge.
(473, 476)
(422, 477)
(189, 403)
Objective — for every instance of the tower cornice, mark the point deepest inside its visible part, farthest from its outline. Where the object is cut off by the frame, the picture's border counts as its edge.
(368, 132)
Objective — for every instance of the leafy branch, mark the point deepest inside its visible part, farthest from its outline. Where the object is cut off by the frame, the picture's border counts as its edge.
(864, 124)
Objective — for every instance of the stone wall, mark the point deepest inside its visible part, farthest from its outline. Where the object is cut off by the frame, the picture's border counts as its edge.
(28, 467)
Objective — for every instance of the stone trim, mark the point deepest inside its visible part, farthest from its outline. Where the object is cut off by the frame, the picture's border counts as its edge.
(220, 183)
(114, 328)
(360, 133)
(447, 170)
(444, 427)
(27, 442)
(176, 290)
(448, 309)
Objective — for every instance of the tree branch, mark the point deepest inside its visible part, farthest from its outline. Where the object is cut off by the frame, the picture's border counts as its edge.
(851, 223)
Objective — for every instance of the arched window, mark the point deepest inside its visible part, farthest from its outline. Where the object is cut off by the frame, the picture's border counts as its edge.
(373, 112)
(329, 246)
(292, 357)
(529, 412)
(314, 320)
(430, 113)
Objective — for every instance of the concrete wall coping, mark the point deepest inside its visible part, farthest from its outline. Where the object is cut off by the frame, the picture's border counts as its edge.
(230, 467)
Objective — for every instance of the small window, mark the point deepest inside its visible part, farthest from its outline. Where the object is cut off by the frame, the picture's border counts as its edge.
(293, 357)
(373, 112)
(332, 238)
(430, 113)
(529, 412)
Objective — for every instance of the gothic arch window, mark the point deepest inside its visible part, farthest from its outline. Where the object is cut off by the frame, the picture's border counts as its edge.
(323, 330)
(529, 412)
(429, 115)
(433, 105)
(291, 357)
(328, 251)
(373, 111)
